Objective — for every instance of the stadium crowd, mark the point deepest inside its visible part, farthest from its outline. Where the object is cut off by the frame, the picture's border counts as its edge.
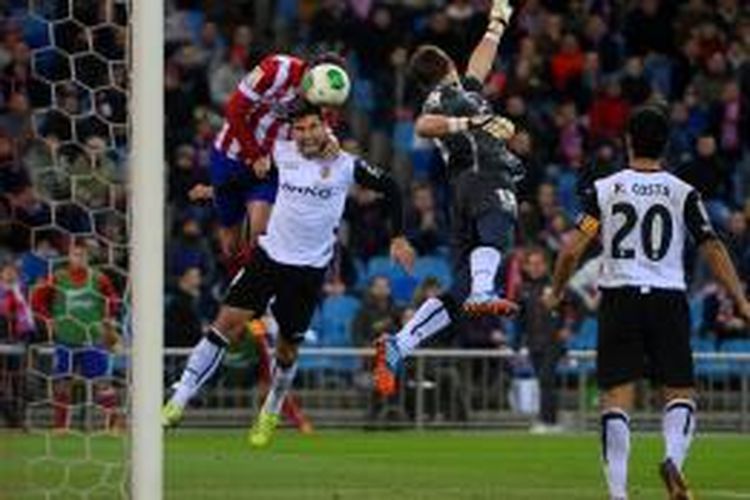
(568, 76)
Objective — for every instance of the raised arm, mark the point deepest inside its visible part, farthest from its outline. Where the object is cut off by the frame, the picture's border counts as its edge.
(483, 57)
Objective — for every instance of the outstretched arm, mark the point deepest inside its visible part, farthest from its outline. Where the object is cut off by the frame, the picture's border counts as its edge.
(432, 126)
(483, 57)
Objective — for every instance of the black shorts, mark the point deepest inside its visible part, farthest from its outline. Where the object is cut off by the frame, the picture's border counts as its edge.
(644, 333)
(296, 290)
(483, 214)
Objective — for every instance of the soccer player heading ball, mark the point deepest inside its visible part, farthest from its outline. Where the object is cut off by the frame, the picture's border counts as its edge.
(644, 218)
(290, 261)
(483, 176)
(257, 113)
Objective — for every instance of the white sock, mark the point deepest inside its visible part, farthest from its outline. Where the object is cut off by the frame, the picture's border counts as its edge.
(283, 377)
(678, 426)
(484, 262)
(202, 363)
(616, 451)
(430, 318)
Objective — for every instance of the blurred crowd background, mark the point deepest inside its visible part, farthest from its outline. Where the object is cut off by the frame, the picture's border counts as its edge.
(568, 75)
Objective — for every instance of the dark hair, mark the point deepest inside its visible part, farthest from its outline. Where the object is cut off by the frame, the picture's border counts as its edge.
(328, 57)
(428, 66)
(302, 108)
(648, 131)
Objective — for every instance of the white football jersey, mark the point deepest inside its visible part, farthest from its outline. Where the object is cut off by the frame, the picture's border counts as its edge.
(308, 208)
(644, 219)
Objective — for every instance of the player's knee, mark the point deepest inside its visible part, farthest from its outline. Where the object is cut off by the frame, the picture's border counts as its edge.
(286, 352)
(670, 394)
(451, 305)
(621, 396)
(230, 325)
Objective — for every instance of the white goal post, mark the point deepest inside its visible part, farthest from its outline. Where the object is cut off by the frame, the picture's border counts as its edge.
(147, 232)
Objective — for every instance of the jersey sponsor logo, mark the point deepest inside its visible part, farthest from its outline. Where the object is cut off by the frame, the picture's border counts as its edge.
(650, 189)
(322, 193)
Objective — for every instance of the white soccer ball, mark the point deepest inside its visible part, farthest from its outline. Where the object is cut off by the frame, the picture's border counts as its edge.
(326, 85)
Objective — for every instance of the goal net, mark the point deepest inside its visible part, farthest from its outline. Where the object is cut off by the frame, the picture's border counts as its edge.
(67, 232)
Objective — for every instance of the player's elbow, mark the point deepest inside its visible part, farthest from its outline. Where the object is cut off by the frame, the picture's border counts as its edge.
(571, 250)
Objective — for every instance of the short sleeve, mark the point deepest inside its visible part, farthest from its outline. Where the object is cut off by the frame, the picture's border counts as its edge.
(434, 102)
(696, 219)
(590, 216)
(472, 84)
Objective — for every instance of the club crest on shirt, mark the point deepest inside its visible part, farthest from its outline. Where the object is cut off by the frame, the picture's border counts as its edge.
(325, 171)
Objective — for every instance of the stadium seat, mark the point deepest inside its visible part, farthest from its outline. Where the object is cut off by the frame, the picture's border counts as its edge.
(332, 326)
(402, 284)
(437, 267)
(585, 337)
(738, 346)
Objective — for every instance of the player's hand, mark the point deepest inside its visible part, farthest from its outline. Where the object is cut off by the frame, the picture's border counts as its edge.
(332, 147)
(402, 252)
(550, 300)
(201, 192)
(496, 126)
(262, 166)
(501, 11)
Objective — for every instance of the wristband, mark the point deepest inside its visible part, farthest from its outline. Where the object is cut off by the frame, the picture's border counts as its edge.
(456, 125)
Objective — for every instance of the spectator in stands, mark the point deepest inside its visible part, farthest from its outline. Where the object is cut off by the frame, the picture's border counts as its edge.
(543, 334)
(377, 315)
(426, 226)
(711, 177)
(16, 329)
(190, 249)
(185, 326)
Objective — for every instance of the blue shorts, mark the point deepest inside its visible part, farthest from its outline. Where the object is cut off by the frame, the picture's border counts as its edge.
(235, 185)
(89, 362)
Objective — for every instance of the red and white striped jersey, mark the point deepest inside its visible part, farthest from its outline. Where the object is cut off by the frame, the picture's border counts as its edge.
(256, 113)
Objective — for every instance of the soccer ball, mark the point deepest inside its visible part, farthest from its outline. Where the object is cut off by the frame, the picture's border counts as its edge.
(326, 85)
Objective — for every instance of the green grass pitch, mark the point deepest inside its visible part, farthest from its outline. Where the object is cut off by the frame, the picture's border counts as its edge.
(338, 465)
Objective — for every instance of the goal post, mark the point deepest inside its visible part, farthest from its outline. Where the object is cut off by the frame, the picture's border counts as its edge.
(147, 265)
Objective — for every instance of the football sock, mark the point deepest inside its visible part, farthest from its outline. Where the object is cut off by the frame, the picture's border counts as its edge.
(430, 318)
(678, 426)
(202, 363)
(484, 262)
(283, 377)
(616, 451)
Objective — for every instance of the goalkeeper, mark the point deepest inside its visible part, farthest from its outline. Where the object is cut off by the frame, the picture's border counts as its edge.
(483, 174)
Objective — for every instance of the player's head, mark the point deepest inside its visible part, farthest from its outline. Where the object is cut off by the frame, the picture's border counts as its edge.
(78, 254)
(647, 133)
(309, 130)
(430, 65)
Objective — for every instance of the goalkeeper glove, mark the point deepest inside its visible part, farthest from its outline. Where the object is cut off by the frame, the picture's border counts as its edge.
(497, 126)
